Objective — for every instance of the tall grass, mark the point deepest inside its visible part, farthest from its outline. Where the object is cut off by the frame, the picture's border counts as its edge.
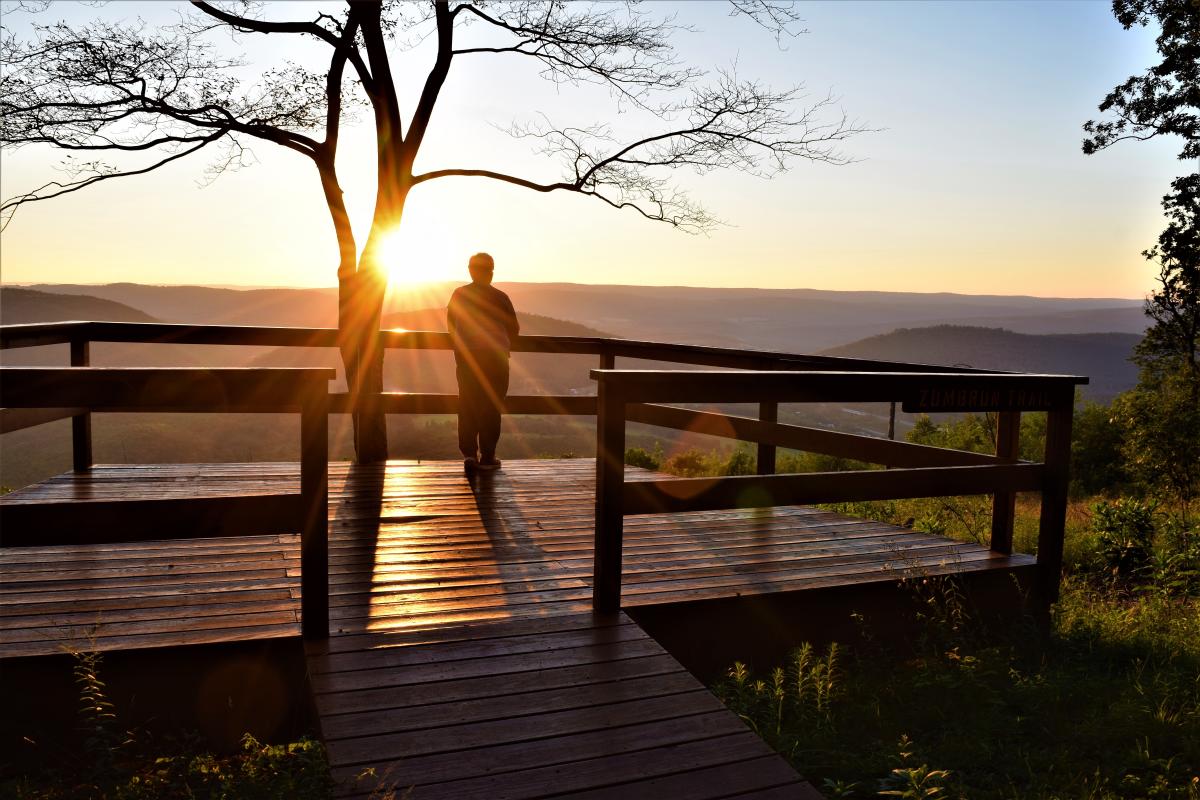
(1107, 706)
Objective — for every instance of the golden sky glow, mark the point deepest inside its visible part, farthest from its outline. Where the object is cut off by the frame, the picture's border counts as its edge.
(975, 182)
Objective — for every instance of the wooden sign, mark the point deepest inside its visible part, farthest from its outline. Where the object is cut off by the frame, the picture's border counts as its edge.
(931, 400)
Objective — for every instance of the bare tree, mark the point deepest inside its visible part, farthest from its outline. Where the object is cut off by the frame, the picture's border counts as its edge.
(168, 92)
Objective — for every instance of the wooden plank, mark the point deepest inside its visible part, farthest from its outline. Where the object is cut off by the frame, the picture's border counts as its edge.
(39, 334)
(159, 389)
(603, 770)
(750, 491)
(388, 695)
(96, 521)
(416, 553)
(999, 392)
(517, 756)
(702, 783)
(16, 419)
(504, 705)
(870, 449)
(418, 403)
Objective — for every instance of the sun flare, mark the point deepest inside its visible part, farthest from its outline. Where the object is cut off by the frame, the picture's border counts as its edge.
(415, 256)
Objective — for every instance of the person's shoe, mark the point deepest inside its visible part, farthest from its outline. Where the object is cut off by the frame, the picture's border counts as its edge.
(489, 464)
(470, 465)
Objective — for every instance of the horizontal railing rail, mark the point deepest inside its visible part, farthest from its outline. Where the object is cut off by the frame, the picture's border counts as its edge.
(48, 333)
(633, 395)
(81, 334)
(204, 390)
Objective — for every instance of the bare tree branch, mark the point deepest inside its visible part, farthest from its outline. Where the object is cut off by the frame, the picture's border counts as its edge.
(780, 19)
(98, 172)
(616, 45)
(732, 124)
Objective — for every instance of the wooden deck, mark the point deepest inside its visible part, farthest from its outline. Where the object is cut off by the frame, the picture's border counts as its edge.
(465, 658)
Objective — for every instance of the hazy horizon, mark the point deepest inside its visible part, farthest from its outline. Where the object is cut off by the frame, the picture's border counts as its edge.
(254, 287)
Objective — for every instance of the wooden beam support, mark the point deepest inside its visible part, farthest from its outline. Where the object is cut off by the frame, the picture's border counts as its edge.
(16, 419)
(943, 391)
(610, 481)
(752, 491)
(422, 403)
(314, 499)
(1004, 504)
(74, 522)
(1053, 522)
(158, 389)
(812, 440)
(81, 424)
(767, 412)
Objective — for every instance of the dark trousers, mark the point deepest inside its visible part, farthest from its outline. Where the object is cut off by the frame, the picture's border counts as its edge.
(482, 385)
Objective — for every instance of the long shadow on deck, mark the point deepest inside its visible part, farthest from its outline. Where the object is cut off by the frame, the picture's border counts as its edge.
(521, 564)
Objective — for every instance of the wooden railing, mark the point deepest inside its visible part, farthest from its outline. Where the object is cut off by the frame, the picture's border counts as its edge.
(203, 390)
(637, 396)
(916, 470)
(80, 336)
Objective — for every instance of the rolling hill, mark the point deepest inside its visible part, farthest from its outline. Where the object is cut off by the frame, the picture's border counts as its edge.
(433, 371)
(19, 306)
(793, 320)
(1103, 357)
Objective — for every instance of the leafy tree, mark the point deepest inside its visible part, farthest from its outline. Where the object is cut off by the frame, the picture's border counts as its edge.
(1161, 422)
(1172, 344)
(1162, 415)
(1165, 100)
(1097, 457)
(167, 93)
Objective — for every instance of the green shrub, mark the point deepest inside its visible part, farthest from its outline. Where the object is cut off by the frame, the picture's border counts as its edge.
(1124, 538)
(640, 457)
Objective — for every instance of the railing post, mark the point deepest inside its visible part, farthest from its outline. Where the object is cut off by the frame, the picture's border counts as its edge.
(1004, 504)
(314, 499)
(81, 424)
(1052, 525)
(610, 481)
(607, 360)
(768, 411)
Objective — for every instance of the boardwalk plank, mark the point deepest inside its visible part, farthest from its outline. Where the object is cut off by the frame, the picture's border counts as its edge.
(466, 661)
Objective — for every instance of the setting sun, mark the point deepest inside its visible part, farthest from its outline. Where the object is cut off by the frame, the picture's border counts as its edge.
(422, 251)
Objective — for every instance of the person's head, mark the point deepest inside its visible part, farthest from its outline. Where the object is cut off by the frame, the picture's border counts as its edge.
(481, 266)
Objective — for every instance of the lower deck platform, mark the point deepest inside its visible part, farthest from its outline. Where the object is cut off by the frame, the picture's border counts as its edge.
(464, 658)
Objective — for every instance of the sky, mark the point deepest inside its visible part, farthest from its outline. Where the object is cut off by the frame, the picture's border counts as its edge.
(972, 181)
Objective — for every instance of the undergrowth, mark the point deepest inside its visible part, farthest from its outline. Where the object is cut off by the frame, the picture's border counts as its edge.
(1107, 706)
(118, 764)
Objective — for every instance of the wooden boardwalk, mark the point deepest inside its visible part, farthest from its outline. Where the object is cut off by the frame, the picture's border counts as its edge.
(465, 659)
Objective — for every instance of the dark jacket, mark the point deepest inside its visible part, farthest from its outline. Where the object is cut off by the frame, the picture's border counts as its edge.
(481, 318)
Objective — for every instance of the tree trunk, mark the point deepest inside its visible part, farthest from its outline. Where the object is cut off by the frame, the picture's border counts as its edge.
(360, 306)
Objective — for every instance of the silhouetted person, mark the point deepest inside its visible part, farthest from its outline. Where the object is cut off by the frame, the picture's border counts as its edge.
(482, 325)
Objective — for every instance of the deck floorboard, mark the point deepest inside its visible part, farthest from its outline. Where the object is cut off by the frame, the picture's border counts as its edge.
(465, 659)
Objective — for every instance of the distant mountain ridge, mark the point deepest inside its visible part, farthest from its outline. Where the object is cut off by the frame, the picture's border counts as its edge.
(1103, 357)
(20, 306)
(792, 320)
(434, 319)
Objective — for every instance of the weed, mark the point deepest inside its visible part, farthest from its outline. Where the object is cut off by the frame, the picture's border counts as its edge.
(1106, 707)
(127, 766)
